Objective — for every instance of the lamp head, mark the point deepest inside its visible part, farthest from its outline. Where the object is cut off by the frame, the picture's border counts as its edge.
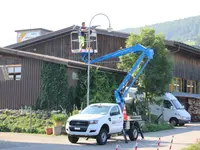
(109, 29)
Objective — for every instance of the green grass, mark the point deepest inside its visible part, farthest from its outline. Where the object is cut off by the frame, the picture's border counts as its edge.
(156, 127)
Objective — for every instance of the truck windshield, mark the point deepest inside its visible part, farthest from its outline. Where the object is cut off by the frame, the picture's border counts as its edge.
(177, 104)
(96, 109)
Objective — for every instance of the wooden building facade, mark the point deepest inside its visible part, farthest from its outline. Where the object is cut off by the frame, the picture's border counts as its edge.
(186, 64)
(186, 68)
(25, 88)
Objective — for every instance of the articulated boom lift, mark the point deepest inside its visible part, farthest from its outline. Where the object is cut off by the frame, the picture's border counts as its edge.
(121, 91)
(128, 81)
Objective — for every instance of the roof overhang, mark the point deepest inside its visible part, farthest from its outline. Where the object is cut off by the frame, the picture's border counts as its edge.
(33, 29)
(53, 59)
(182, 46)
(188, 95)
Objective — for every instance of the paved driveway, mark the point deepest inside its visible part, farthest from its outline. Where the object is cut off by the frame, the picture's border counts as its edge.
(182, 137)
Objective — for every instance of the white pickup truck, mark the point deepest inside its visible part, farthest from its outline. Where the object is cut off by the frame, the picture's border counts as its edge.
(100, 121)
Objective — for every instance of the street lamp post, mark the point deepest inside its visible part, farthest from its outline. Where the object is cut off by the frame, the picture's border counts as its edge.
(109, 30)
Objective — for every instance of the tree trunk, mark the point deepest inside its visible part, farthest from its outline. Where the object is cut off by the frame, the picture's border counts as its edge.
(162, 117)
(149, 112)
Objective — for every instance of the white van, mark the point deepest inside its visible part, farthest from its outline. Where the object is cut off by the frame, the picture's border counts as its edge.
(173, 111)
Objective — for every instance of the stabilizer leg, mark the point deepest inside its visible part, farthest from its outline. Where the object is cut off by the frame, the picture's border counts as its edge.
(124, 134)
(87, 138)
(141, 133)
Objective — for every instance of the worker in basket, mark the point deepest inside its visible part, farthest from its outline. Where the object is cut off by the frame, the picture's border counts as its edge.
(82, 35)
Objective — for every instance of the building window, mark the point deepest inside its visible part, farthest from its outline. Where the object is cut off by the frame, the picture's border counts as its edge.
(14, 72)
(191, 86)
(198, 87)
(171, 87)
(74, 76)
(176, 85)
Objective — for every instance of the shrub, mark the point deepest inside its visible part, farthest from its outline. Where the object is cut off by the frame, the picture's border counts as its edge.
(59, 118)
(4, 128)
(19, 121)
(74, 112)
(195, 146)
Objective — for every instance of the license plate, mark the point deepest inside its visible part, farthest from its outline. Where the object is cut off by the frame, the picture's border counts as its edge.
(77, 128)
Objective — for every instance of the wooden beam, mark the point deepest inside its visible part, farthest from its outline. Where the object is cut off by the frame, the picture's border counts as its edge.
(10, 57)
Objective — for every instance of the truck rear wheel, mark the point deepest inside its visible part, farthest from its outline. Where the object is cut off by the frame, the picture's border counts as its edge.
(133, 133)
(73, 139)
(102, 137)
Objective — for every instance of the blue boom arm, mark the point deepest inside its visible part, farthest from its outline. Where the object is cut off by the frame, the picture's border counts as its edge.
(134, 49)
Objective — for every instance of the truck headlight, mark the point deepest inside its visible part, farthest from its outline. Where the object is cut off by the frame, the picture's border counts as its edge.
(67, 122)
(93, 121)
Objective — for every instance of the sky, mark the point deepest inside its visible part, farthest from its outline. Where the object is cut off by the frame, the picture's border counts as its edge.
(58, 14)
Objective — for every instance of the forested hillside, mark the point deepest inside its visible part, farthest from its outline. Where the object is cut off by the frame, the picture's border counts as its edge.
(185, 30)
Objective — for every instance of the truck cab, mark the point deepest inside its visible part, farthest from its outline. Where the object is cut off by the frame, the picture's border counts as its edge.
(97, 121)
(173, 111)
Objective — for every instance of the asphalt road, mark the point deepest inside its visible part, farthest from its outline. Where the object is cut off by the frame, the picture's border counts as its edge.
(182, 137)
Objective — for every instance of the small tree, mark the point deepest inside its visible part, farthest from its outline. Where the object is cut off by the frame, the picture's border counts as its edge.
(157, 75)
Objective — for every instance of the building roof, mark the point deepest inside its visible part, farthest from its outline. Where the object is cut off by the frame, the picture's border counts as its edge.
(62, 32)
(183, 94)
(33, 29)
(53, 59)
(174, 44)
(183, 46)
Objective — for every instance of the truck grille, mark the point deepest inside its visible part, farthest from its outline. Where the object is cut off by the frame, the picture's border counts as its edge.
(79, 123)
(78, 130)
(78, 126)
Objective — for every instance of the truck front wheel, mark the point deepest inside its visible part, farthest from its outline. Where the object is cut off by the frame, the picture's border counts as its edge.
(133, 133)
(73, 139)
(102, 137)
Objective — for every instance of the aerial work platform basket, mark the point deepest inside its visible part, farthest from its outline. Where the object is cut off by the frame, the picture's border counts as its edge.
(90, 42)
